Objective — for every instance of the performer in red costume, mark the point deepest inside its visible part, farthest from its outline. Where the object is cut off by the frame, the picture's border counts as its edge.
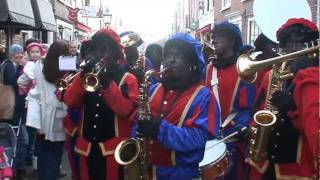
(293, 148)
(104, 119)
(235, 97)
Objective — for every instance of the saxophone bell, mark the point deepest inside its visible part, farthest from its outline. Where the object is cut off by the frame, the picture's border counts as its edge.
(127, 151)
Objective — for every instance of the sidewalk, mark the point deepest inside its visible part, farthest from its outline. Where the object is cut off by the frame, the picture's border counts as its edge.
(65, 167)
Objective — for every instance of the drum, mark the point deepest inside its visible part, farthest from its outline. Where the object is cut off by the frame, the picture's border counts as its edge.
(216, 161)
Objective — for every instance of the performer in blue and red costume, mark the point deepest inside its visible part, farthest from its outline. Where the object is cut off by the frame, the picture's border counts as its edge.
(293, 146)
(179, 103)
(132, 42)
(104, 119)
(235, 97)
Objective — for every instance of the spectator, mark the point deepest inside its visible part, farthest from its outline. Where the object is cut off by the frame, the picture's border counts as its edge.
(50, 133)
(12, 69)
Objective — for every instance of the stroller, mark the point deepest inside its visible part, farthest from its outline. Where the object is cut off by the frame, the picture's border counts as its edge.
(8, 142)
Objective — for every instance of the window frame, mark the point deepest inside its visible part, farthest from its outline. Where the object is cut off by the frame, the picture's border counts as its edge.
(250, 39)
(224, 5)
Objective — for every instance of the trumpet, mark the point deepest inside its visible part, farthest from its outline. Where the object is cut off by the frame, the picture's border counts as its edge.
(247, 67)
(90, 81)
(63, 83)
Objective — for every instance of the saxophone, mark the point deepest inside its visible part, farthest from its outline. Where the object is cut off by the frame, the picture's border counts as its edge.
(266, 120)
(134, 152)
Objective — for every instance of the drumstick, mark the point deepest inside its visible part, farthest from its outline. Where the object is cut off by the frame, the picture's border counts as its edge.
(229, 136)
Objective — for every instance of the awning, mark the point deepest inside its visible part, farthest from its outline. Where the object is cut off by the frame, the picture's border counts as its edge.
(83, 27)
(44, 15)
(204, 29)
(16, 11)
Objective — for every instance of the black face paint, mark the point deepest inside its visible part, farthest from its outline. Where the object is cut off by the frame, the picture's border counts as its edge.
(294, 43)
(178, 73)
(131, 54)
(222, 43)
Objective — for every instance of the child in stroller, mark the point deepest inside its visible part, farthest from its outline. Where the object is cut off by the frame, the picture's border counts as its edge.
(8, 140)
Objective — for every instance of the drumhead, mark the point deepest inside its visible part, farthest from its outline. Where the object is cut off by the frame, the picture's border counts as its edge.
(213, 152)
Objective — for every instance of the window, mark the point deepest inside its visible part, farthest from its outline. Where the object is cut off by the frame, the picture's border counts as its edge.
(67, 2)
(236, 20)
(210, 5)
(225, 4)
(253, 31)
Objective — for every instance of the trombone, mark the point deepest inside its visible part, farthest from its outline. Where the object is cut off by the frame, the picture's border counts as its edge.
(247, 67)
(63, 83)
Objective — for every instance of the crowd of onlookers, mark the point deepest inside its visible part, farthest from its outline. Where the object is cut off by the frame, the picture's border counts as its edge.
(19, 64)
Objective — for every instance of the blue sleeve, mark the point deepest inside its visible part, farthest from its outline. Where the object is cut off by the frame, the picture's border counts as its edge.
(148, 64)
(188, 138)
(244, 104)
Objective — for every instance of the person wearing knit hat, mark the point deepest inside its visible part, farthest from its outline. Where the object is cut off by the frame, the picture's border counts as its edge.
(104, 120)
(235, 97)
(27, 79)
(293, 147)
(180, 107)
(12, 68)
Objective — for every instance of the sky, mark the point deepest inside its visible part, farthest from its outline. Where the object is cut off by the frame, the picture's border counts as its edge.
(152, 19)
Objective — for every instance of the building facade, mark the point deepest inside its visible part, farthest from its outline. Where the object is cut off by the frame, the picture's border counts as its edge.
(198, 16)
(20, 20)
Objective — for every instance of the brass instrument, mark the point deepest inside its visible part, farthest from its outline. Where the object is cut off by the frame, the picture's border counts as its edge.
(139, 64)
(247, 67)
(63, 83)
(131, 39)
(134, 152)
(207, 45)
(90, 81)
(266, 119)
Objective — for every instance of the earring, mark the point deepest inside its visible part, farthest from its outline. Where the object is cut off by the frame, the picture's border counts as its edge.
(193, 68)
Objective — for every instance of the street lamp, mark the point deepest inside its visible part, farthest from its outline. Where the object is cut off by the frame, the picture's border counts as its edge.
(76, 34)
(60, 28)
(107, 19)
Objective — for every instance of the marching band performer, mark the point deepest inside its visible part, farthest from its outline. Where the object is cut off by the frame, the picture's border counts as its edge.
(137, 63)
(235, 97)
(179, 104)
(104, 118)
(293, 148)
(154, 54)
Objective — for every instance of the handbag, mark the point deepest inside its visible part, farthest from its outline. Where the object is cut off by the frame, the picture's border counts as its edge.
(7, 97)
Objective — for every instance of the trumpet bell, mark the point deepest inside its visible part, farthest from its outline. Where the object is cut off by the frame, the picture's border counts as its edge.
(245, 63)
(61, 84)
(127, 151)
(90, 82)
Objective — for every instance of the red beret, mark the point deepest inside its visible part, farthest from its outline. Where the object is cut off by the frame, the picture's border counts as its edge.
(116, 38)
(294, 21)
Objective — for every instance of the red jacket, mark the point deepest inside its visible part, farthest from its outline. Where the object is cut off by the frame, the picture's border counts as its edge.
(306, 121)
(104, 120)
